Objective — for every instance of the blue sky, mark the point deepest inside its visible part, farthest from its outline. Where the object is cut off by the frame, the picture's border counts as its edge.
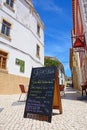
(57, 18)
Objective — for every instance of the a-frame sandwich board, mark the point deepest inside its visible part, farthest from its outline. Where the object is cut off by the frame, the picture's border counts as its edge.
(43, 94)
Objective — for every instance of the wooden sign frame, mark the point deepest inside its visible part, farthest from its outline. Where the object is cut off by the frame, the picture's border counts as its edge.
(57, 98)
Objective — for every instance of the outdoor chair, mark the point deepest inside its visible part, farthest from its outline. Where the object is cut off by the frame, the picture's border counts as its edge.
(23, 91)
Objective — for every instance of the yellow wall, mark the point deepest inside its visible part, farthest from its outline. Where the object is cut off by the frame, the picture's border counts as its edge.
(9, 84)
(76, 72)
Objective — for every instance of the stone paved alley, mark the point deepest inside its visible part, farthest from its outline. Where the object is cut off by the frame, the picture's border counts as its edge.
(74, 115)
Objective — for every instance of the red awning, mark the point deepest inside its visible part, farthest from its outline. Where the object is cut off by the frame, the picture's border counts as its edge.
(78, 43)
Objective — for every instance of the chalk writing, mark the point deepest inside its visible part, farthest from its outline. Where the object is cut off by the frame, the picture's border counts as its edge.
(41, 90)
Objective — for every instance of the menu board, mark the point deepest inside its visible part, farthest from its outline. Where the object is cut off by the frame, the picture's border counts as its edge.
(40, 94)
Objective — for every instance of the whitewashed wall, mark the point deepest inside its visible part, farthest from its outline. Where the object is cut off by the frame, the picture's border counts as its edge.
(61, 78)
(24, 37)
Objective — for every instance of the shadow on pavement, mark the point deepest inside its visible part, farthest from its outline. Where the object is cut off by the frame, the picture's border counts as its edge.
(18, 103)
(72, 94)
(1, 109)
(82, 98)
(54, 114)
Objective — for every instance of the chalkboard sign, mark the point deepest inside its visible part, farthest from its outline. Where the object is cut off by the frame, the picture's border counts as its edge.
(41, 90)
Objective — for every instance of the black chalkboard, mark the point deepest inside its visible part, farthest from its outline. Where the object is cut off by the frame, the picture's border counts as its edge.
(40, 94)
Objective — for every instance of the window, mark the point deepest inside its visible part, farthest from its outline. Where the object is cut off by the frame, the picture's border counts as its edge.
(10, 3)
(6, 28)
(38, 29)
(38, 51)
(3, 59)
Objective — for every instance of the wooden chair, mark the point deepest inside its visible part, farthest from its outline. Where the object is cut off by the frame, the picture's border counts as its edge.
(23, 91)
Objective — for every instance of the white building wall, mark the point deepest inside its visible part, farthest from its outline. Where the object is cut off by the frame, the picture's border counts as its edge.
(24, 37)
(61, 78)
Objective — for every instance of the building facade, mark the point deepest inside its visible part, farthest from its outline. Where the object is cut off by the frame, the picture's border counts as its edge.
(53, 61)
(61, 76)
(78, 52)
(21, 43)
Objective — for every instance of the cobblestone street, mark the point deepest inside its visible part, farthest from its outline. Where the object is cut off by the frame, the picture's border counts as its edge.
(74, 115)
